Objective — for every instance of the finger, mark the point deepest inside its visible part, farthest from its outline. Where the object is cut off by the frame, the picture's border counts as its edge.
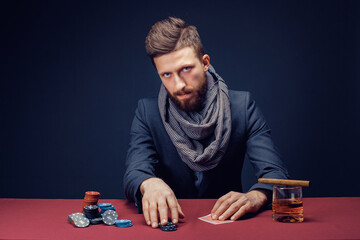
(222, 208)
(181, 213)
(173, 206)
(163, 211)
(218, 204)
(241, 212)
(145, 206)
(153, 214)
(233, 208)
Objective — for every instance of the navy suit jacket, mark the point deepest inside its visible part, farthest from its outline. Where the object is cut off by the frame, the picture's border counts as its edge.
(151, 153)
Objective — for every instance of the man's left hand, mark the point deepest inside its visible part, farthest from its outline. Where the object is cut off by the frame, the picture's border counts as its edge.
(237, 204)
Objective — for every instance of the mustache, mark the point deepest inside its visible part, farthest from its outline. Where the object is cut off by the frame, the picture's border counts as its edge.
(183, 91)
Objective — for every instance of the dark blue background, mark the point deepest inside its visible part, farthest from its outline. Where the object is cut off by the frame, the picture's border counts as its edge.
(72, 72)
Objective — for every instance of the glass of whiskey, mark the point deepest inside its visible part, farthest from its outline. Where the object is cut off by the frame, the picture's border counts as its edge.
(287, 204)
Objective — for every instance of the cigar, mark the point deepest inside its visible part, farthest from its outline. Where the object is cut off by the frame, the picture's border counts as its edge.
(301, 183)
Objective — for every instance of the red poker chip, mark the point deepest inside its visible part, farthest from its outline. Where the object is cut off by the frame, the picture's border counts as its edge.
(92, 193)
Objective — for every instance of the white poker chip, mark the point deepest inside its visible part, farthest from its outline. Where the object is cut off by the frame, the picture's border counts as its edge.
(109, 217)
(79, 219)
(81, 222)
(75, 215)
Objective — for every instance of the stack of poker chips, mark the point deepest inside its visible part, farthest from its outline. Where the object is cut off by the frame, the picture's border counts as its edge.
(92, 213)
(168, 227)
(79, 220)
(110, 217)
(91, 198)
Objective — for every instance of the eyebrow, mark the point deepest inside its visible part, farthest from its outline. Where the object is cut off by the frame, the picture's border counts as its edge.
(181, 67)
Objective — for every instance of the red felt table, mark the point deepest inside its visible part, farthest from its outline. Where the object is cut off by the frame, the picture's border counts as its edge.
(325, 218)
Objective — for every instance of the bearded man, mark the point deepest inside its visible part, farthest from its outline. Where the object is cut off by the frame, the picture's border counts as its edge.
(191, 141)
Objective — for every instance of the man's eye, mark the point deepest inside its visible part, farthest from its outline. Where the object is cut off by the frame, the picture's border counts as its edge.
(186, 69)
(166, 74)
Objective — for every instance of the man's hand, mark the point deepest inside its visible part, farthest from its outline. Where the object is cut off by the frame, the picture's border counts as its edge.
(158, 198)
(236, 204)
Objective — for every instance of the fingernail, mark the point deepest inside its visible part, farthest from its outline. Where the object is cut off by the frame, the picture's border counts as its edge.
(154, 225)
(148, 223)
(164, 220)
(214, 216)
(221, 217)
(175, 221)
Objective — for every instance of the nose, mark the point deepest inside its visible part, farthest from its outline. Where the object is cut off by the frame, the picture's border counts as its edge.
(179, 82)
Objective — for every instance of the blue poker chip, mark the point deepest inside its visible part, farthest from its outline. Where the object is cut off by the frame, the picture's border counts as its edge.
(168, 227)
(104, 209)
(123, 223)
(109, 217)
(104, 205)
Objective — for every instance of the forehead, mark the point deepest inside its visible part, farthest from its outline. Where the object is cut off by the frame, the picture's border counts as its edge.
(177, 59)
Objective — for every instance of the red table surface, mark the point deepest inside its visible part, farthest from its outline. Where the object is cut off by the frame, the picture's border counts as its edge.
(325, 218)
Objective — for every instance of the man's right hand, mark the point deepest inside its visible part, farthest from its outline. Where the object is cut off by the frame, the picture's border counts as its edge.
(158, 198)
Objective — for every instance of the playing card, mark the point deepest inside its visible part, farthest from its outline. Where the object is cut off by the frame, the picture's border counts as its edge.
(208, 219)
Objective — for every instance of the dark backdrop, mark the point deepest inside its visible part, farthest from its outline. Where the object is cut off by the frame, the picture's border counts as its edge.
(73, 71)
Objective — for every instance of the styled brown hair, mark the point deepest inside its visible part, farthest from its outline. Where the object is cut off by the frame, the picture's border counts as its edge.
(172, 34)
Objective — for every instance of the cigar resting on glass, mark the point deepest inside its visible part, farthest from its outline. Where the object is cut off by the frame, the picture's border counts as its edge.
(301, 183)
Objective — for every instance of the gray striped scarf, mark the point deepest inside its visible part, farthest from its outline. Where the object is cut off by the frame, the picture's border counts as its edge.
(201, 138)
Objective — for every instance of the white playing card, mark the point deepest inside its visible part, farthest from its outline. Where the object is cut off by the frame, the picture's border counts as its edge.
(208, 219)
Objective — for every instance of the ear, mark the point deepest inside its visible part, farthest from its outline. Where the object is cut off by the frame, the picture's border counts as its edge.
(206, 62)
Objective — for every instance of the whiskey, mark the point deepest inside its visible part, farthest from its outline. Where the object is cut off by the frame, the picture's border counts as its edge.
(288, 210)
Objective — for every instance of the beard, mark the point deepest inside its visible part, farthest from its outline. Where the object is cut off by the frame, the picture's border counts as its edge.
(195, 102)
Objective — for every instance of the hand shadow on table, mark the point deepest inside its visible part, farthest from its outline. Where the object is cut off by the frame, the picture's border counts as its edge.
(251, 215)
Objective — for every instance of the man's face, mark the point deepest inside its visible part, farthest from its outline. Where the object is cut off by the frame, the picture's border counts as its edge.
(183, 75)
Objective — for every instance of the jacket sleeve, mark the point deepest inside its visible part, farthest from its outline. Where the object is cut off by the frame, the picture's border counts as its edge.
(261, 150)
(141, 156)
